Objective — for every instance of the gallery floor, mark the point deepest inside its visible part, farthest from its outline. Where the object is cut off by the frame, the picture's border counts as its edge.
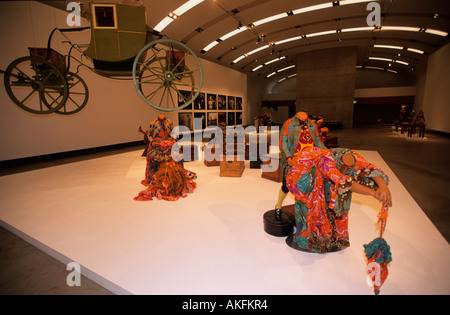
(211, 242)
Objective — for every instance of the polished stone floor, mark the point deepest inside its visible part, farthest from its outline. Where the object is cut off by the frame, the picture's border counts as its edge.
(420, 164)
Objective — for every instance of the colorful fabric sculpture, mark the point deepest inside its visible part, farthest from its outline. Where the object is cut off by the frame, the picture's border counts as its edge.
(296, 135)
(378, 254)
(321, 184)
(165, 177)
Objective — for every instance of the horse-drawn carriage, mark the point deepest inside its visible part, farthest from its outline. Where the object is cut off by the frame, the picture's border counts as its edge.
(120, 47)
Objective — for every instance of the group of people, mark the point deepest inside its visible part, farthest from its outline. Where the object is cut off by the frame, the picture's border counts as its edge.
(407, 119)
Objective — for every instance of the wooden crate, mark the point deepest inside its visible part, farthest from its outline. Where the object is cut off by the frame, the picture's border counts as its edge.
(212, 148)
(233, 168)
(275, 174)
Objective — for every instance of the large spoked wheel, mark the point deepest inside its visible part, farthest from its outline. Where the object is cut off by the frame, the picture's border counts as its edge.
(76, 99)
(31, 81)
(167, 75)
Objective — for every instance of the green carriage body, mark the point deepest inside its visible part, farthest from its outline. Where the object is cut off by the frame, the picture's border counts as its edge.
(118, 33)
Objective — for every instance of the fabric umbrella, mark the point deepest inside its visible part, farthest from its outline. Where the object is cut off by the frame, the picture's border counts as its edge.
(378, 254)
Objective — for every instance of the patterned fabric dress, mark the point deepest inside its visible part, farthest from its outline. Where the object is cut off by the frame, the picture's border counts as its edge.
(295, 136)
(165, 177)
(321, 185)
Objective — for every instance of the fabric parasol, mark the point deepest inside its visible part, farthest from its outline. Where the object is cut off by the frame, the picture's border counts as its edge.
(378, 254)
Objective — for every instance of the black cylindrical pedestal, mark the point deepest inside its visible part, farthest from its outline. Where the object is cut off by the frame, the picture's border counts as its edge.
(279, 225)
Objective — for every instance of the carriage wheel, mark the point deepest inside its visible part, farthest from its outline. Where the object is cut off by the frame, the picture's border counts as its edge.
(77, 97)
(167, 75)
(30, 80)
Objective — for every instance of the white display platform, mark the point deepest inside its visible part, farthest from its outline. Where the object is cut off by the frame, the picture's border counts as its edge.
(213, 241)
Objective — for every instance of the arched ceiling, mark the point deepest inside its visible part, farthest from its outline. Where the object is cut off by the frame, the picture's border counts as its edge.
(240, 34)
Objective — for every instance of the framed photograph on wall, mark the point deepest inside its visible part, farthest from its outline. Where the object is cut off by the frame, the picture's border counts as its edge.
(211, 101)
(231, 101)
(199, 102)
(231, 118)
(185, 119)
(183, 98)
(238, 103)
(212, 119)
(203, 117)
(238, 118)
(222, 118)
(221, 102)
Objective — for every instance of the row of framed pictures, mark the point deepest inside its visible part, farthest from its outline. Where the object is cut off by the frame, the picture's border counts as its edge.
(209, 118)
(212, 109)
(208, 101)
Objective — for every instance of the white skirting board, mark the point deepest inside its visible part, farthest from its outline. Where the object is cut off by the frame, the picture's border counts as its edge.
(213, 241)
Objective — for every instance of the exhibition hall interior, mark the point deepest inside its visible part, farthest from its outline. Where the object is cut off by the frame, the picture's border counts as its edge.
(225, 147)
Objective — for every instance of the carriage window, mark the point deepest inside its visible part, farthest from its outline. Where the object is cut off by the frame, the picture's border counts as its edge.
(104, 16)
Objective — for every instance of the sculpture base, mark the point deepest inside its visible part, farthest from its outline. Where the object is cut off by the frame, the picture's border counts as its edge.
(279, 226)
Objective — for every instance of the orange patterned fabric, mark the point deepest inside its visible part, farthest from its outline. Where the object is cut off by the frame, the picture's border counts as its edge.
(320, 228)
(165, 178)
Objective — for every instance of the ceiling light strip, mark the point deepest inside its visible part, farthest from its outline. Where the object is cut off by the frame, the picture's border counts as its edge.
(238, 59)
(256, 50)
(211, 45)
(418, 51)
(187, 6)
(321, 33)
(357, 29)
(380, 59)
(270, 19)
(347, 2)
(179, 11)
(235, 32)
(257, 68)
(287, 40)
(388, 47)
(274, 60)
(400, 28)
(268, 63)
(284, 69)
(163, 24)
(436, 32)
(313, 8)
(389, 60)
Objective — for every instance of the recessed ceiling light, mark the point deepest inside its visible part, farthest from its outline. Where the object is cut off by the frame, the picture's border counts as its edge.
(400, 28)
(284, 69)
(238, 59)
(187, 6)
(270, 18)
(176, 13)
(257, 68)
(313, 8)
(418, 51)
(436, 32)
(388, 47)
(274, 60)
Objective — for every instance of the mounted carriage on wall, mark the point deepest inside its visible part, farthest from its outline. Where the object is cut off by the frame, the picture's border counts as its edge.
(166, 73)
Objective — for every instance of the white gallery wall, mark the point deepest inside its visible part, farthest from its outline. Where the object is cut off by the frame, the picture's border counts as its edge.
(436, 95)
(114, 110)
